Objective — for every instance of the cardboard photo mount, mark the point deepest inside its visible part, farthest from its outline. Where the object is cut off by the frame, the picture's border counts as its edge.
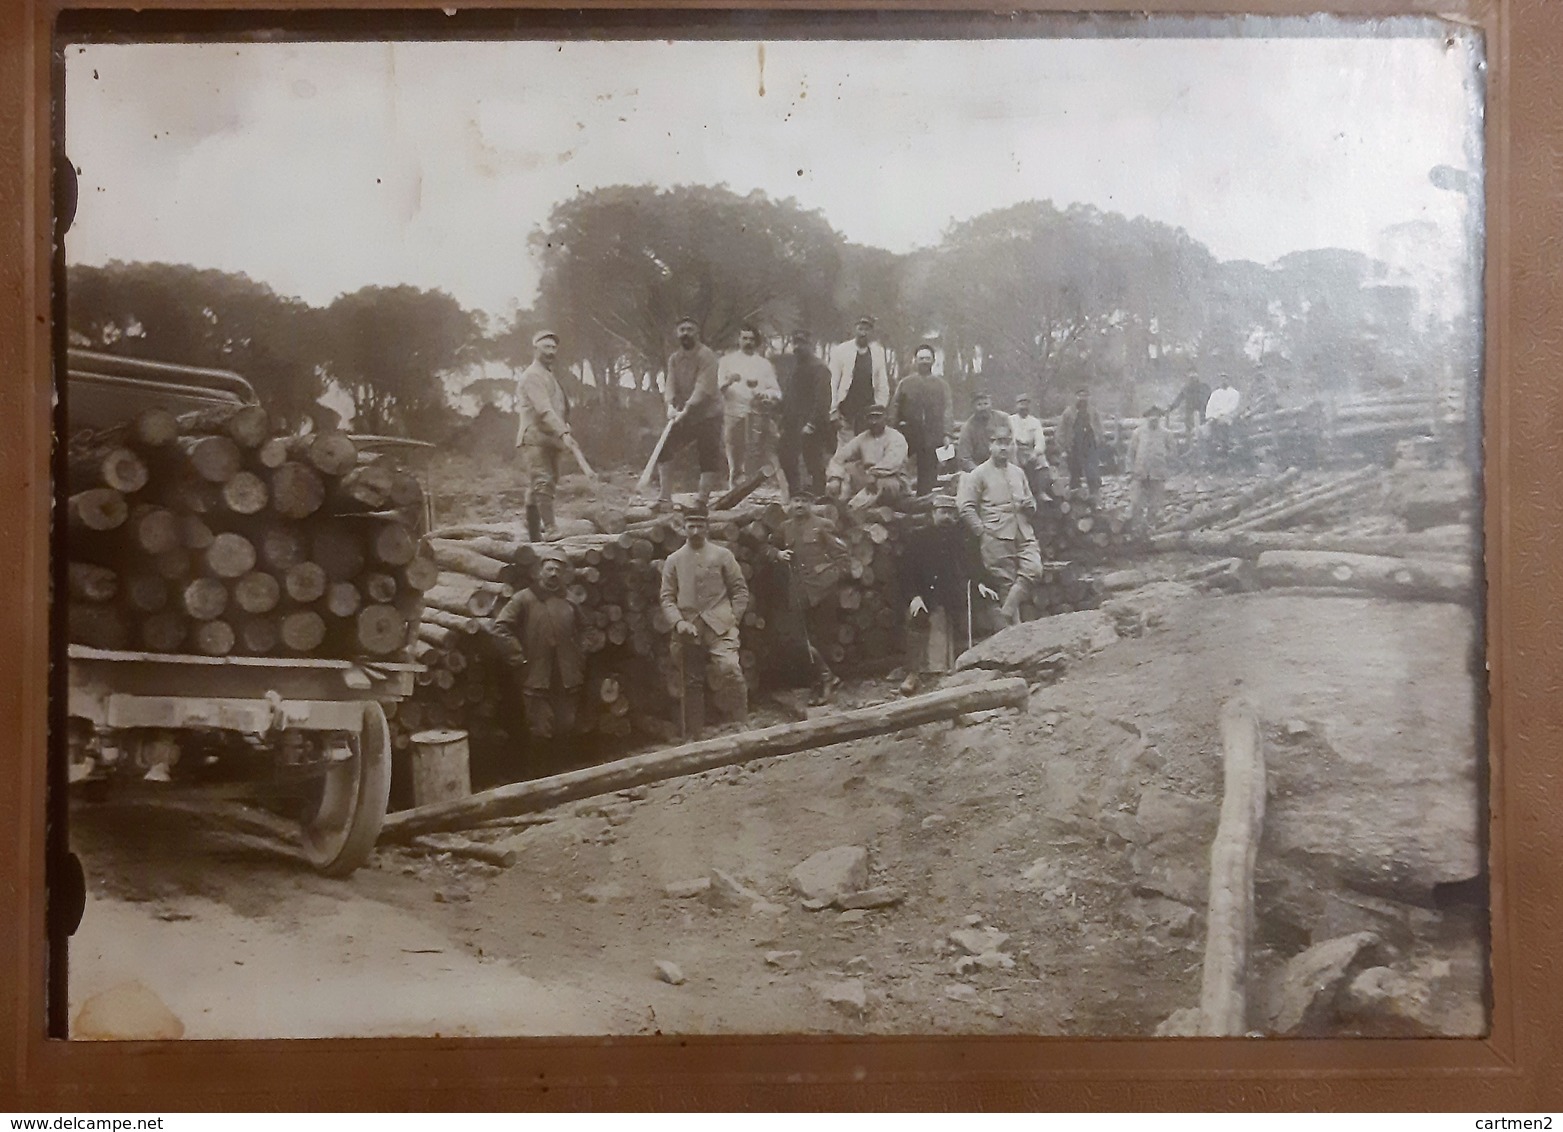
(1517, 1068)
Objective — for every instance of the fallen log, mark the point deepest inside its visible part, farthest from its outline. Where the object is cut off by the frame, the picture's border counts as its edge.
(1223, 1005)
(1416, 579)
(458, 557)
(1290, 499)
(1296, 510)
(707, 754)
(1228, 508)
(743, 490)
(1251, 544)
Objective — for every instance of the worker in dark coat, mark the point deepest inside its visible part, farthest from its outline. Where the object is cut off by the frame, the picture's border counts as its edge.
(920, 411)
(971, 448)
(936, 565)
(806, 436)
(539, 632)
(816, 558)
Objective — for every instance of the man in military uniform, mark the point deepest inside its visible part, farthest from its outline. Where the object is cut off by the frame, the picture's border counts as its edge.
(538, 632)
(544, 433)
(705, 597)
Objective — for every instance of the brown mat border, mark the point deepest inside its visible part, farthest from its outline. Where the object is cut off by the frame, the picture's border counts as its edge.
(1518, 1068)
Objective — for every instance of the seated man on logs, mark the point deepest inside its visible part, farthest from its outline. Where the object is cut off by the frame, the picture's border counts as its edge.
(870, 469)
(539, 632)
(814, 554)
(704, 596)
(998, 507)
(935, 572)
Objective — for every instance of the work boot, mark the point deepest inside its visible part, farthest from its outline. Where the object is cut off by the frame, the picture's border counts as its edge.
(910, 685)
(664, 488)
(709, 483)
(534, 528)
(545, 511)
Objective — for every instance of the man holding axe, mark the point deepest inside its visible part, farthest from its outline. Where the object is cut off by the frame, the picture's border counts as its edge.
(694, 405)
(543, 434)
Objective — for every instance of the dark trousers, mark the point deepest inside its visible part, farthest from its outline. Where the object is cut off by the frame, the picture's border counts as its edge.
(926, 457)
(1085, 465)
(799, 454)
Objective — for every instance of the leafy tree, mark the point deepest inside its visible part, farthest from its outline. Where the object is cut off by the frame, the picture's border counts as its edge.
(1060, 297)
(621, 265)
(190, 316)
(389, 348)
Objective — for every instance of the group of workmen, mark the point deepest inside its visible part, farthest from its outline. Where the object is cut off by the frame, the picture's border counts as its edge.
(835, 431)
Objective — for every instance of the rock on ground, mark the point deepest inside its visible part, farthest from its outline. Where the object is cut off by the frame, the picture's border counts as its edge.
(683, 889)
(669, 972)
(881, 896)
(1312, 982)
(1043, 647)
(847, 996)
(831, 874)
(979, 941)
(727, 891)
(1134, 614)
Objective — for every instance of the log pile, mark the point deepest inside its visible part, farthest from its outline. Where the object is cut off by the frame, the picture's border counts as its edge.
(212, 533)
(614, 580)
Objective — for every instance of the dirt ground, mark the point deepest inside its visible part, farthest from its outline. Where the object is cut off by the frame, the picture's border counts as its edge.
(1079, 828)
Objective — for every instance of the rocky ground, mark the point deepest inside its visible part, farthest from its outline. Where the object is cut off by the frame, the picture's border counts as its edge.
(1040, 871)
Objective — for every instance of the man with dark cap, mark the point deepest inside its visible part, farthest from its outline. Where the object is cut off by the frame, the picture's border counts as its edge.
(935, 567)
(816, 558)
(694, 406)
(920, 411)
(1081, 436)
(859, 377)
(996, 503)
(704, 596)
(544, 433)
(806, 440)
(870, 468)
(971, 447)
(539, 632)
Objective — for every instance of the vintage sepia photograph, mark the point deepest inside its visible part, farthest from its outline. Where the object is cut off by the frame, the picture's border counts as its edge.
(843, 531)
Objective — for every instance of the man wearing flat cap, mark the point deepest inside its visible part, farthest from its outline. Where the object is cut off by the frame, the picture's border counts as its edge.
(920, 411)
(871, 468)
(694, 404)
(859, 377)
(704, 596)
(544, 433)
(538, 631)
(806, 436)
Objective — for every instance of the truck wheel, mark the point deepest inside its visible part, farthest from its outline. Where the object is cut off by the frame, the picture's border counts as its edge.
(340, 829)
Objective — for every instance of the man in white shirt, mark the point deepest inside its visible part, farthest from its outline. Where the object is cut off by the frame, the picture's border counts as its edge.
(871, 468)
(750, 393)
(1030, 445)
(859, 377)
(1221, 413)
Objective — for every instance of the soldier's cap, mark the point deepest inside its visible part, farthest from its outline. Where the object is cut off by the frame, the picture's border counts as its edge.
(686, 320)
(552, 554)
(943, 499)
(874, 411)
(545, 336)
(696, 510)
(923, 349)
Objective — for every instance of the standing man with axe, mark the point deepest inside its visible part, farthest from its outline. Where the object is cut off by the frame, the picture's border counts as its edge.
(705, 596)
(694, 404)
(544, 433)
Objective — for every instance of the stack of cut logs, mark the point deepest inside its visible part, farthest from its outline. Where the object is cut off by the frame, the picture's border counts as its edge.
(615, 582)
(208, 533)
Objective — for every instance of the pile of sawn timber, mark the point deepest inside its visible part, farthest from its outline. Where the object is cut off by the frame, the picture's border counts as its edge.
(215, 533)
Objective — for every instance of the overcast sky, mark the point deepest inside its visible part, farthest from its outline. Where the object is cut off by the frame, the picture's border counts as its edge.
(320, 168)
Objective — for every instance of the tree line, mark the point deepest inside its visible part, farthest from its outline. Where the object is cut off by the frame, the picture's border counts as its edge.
(1030, 296)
